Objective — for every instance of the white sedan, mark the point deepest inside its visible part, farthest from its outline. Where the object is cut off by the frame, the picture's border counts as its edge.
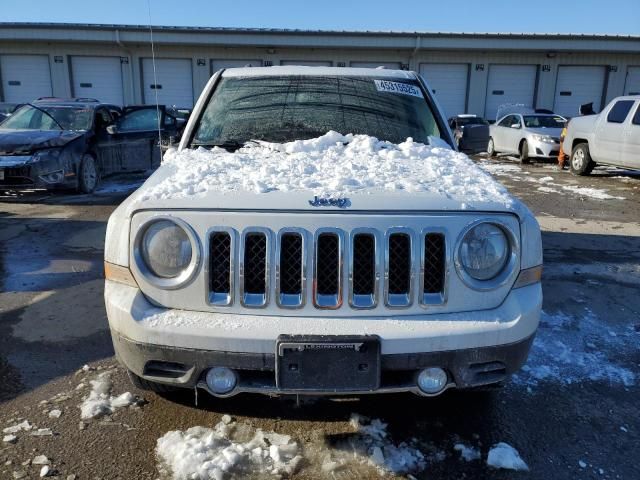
(533, 135)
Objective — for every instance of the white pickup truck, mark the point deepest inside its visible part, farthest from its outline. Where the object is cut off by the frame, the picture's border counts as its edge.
(610, 138)
(272, 254)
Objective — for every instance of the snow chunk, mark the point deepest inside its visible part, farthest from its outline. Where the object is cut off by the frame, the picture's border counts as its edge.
(582, 464)
(55, 413)
(41, 432)
(330, 165)
(24, 425)
(468, 454)
(41, 460)
(9, 439)
(505, 456)
(100, 402)
(205, 453)
(45, 471)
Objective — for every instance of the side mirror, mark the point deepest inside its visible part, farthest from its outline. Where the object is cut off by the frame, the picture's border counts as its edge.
(112, 129)
(516, 125)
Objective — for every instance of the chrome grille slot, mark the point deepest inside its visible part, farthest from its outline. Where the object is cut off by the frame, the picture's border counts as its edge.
(433, 268)
(254, 268)
(290, 269)
(328, 269)
(364, 270)
(220, 268)
(398, 273)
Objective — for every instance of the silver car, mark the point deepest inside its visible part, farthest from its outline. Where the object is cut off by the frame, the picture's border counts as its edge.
(530, 135)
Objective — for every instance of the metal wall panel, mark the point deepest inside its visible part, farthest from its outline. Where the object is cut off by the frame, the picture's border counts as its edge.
(218, 64)
(632, 83)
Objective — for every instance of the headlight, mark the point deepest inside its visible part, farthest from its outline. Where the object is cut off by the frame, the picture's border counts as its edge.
(543, 138)
(484, 251)
(166, 249)
(166, 253)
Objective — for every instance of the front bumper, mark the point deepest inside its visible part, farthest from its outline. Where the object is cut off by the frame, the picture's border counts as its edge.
(539, 149)
(28, 174)
(177, 347)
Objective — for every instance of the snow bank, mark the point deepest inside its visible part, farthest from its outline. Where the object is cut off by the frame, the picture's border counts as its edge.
(100, 402)
(569, 349)
(332, 164)
(505, 456)
(205, 453)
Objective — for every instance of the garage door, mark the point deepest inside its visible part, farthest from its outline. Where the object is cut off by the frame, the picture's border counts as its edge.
(448, 82)
(25, 77)
(387, 65)
(97, 77)
(632, 84)
(173, 82)
(510, 84)
(220, 64)
(308, 63)
(576, 86)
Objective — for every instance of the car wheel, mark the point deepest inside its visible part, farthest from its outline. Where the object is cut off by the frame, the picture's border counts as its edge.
(581, 163)
(88, 175)
(143, 384)
(491, 148)
(524, 152)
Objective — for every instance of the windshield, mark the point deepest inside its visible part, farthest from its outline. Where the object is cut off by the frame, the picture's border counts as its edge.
(462, 121)
(31, 118)
(543, 121)
(283, 109)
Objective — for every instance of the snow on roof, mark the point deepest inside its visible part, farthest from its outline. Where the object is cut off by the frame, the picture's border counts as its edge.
(305, 70)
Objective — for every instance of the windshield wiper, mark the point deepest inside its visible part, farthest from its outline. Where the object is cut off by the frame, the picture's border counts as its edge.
(230, 145)
(47, 114)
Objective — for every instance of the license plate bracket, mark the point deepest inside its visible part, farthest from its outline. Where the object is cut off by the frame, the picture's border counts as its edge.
(328, 363)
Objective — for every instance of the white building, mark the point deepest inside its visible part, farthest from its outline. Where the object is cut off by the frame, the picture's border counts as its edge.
(469, 73)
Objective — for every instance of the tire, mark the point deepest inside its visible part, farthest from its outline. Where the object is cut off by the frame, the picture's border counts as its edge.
(524, 152)
(88, 176)
(580, 162)
(491, 148)
(143, 384)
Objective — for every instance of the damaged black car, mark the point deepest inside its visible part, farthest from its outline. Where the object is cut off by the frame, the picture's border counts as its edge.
(71, 145)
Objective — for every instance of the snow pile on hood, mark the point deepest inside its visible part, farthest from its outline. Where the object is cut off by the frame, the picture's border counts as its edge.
(100, 402)
(505, 456)
(332, 164)
(203, 453)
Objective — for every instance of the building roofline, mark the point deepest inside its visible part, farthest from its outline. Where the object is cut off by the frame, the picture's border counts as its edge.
(197, 29)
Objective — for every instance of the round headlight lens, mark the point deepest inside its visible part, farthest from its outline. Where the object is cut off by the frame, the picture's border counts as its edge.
(484, 251)
(166, 249)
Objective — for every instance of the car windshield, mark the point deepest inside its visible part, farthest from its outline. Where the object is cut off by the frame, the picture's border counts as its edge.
(287, 108)
(462, 121)
(31, 118)
(543, 121)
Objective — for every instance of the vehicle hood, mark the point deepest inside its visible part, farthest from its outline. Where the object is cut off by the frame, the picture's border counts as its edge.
(331, 173)
(554, 132)
(25, 142)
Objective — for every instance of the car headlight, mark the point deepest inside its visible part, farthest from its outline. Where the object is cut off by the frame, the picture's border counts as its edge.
(167, 252)
(543, 138)
(484, 251)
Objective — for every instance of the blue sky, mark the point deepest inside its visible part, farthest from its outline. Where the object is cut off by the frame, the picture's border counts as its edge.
(538, 16)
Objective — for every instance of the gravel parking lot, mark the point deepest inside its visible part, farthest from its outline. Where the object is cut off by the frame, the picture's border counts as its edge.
(571, 413)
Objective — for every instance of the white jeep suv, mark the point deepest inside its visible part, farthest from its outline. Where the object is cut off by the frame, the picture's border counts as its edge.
(271, 254)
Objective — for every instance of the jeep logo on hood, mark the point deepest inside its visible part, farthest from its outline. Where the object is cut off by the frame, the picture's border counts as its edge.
(329, 202)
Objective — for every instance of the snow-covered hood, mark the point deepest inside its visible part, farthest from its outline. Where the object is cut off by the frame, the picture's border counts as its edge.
(332, 172)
